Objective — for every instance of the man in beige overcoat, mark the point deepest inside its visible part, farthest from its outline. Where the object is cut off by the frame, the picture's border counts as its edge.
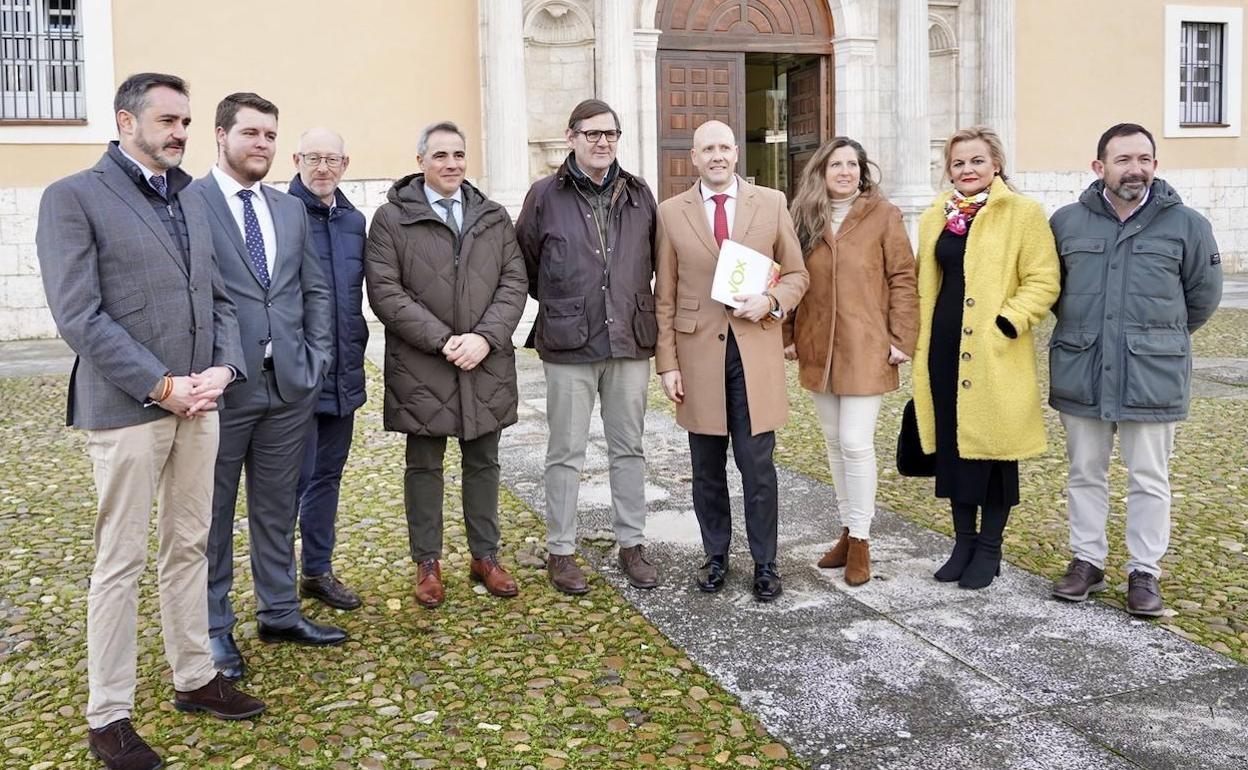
(724, 367)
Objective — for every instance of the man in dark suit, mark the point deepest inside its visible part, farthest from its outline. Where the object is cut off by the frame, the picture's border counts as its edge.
(272, 272)
(128, 268)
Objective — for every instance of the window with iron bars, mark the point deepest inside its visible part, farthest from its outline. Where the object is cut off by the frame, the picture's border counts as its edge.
(41, 61)
(1201, 56)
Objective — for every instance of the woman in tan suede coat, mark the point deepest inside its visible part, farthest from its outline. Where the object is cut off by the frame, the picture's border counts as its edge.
(856, 324)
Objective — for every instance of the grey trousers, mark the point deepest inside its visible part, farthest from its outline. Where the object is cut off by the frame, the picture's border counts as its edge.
(571, 389)
(1146, 448)
(423, 487)
(265, 435)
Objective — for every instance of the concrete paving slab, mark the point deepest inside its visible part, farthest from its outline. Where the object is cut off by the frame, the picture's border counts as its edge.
(1029, 742)
(1198, 723)
(1056, 653)
(25, 358)
(1235, 290)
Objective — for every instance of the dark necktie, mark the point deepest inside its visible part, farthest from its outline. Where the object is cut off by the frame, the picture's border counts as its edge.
(254, 238)
(721, 218)
(159, 184)
(449, 205)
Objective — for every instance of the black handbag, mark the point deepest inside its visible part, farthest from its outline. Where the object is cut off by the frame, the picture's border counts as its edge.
(911, 459)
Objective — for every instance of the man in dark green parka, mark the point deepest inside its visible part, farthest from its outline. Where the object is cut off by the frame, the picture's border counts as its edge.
(1140, 273)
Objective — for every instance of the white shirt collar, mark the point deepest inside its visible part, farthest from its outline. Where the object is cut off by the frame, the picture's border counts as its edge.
(731, 192)
(147, 172)
(230, 186)
(433, 196)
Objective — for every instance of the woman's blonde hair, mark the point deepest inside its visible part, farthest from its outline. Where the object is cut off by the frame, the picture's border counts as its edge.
(996, 148)
(810, 205)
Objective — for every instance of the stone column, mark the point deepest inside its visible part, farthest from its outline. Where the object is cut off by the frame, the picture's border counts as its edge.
(616, 67)
(857, 93)
(998, 72)
(506, 142)
(647, 41)
(914, 191)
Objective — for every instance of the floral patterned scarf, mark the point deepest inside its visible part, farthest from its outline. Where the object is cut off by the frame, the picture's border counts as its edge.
(960, 210)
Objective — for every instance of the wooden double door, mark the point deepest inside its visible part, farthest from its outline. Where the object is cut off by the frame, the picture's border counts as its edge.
(697, 86)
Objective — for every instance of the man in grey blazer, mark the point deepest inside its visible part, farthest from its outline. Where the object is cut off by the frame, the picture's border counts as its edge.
(272, 272)
(128, 268)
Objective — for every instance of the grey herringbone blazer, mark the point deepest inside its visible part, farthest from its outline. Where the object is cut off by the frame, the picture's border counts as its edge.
(124, 299)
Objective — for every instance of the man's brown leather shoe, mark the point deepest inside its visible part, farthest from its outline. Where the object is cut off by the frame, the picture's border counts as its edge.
(565, 575)
(1144, 595)
(119, 747)
(1081, 578)
(838, 554)
(220, 699)
(858, 562)
(641, 573)
(488, 571)
(429, 592)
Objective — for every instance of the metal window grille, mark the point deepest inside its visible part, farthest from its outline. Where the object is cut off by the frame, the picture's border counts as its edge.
(1201, 55)
(41, 66)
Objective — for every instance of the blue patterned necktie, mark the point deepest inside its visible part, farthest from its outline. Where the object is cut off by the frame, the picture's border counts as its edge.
(449, 205)
(158, 184)
(254, 238)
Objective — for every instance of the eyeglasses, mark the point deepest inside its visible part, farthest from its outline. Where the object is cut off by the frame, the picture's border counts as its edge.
(311, 160)
(593, 136)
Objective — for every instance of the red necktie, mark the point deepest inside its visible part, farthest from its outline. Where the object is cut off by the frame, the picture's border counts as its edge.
(721, 219)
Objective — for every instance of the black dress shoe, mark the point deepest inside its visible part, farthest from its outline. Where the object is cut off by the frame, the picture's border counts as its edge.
(711, 575)
(767, 585)
(226, 657)
(304, 631)
(330, 590)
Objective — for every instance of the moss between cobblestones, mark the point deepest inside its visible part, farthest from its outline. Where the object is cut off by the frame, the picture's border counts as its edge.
(541, 681)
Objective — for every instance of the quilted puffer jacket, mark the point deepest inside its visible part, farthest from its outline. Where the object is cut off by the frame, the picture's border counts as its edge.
(425, 285)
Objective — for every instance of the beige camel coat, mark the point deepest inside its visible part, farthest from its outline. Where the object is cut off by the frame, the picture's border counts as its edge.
(693, 328)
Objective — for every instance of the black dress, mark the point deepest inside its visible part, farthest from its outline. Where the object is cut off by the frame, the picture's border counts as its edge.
(972, 482)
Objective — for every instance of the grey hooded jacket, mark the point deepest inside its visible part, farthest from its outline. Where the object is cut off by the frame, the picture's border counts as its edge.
(1132, 294)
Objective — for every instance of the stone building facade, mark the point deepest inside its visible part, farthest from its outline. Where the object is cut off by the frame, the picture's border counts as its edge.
(898, 75)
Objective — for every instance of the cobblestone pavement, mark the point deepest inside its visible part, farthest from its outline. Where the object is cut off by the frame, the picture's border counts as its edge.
(900, 673)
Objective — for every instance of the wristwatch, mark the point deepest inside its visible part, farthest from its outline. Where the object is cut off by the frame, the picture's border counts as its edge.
(776, 312)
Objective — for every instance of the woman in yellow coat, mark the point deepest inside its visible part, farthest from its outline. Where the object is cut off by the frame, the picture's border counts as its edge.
(988, 272)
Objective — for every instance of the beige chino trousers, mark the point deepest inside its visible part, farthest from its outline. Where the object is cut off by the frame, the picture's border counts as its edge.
(171, 460)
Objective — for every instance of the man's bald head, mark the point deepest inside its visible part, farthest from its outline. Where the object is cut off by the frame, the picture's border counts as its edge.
(714, 155)
(713, 130)
(321, 138)
(321, 162)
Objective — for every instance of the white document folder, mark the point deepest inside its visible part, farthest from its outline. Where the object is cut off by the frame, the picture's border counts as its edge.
(742, 270)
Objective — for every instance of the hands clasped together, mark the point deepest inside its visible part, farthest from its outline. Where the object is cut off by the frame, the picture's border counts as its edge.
(195, 393)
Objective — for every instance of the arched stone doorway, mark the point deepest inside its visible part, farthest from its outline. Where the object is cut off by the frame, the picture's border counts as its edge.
(763, 67)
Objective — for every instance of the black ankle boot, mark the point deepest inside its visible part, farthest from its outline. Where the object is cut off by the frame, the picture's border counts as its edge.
(963, 546)
(986, 563)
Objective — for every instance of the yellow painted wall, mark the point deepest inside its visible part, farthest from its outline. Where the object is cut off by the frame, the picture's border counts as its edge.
(1084, 65)
(377, 71)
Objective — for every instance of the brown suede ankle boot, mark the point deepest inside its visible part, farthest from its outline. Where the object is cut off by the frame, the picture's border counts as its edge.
(858, 562)
(836, 556)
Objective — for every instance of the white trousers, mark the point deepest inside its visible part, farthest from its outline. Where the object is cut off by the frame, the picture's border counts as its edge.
(849, 430)
(1146, 448)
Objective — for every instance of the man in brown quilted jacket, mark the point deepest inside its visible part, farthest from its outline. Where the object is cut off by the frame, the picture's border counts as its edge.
(447, 280)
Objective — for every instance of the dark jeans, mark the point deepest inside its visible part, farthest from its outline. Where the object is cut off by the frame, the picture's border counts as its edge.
(422, 494)
(753, 455)
(328, 443)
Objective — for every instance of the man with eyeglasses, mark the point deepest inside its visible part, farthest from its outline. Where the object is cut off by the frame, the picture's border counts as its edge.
(587, 233)
(338, 236)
